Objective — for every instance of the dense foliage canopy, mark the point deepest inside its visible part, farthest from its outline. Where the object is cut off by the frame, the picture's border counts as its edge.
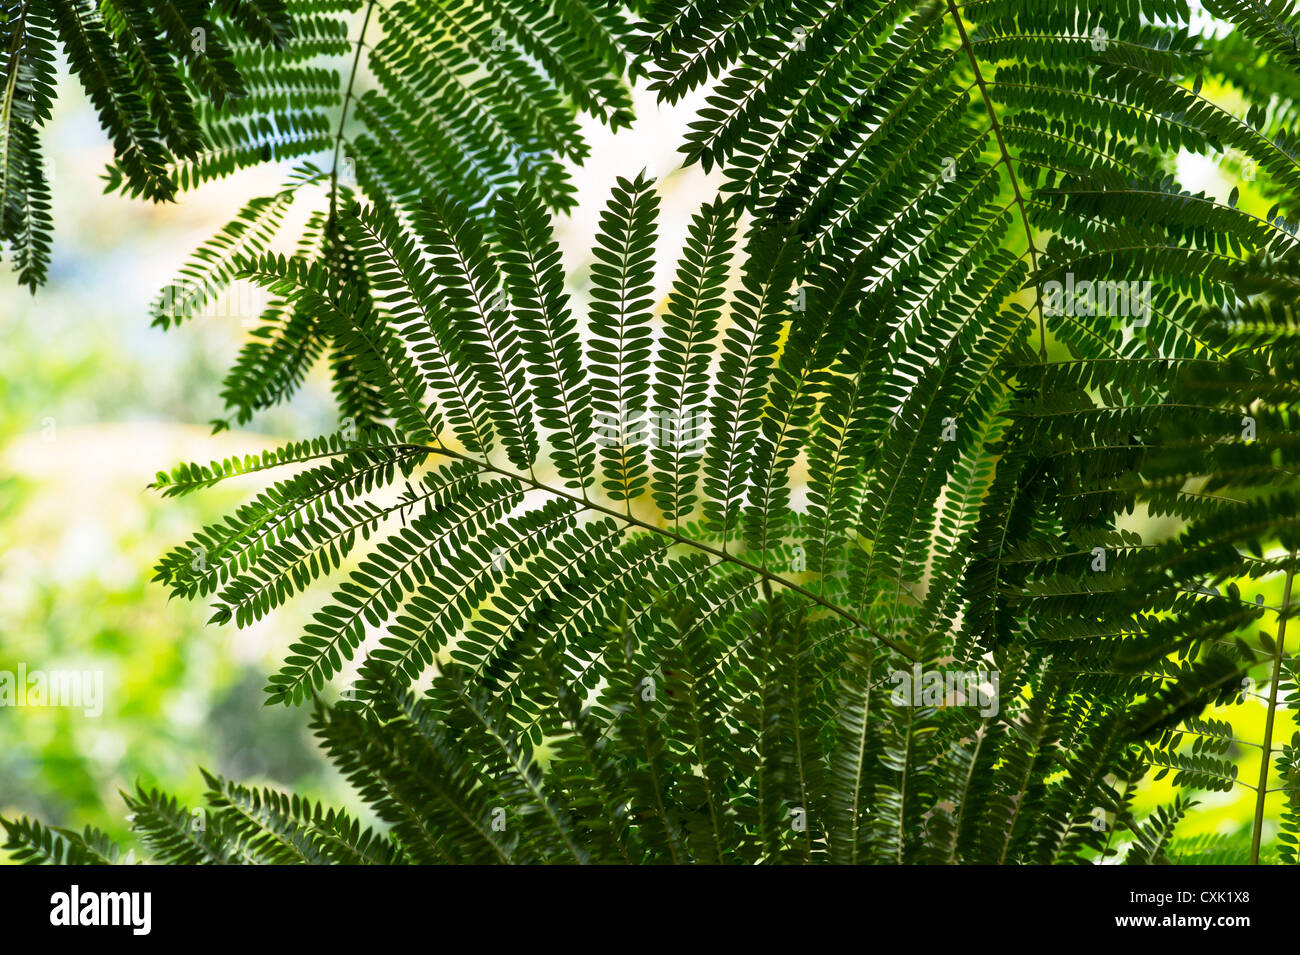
(632, 582)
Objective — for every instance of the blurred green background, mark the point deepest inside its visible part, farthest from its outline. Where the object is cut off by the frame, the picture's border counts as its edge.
(93, 402)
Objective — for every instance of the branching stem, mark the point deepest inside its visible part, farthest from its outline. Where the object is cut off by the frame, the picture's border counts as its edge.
(1267, 749)
(628, 518)
(1011, 170)
(343, 118)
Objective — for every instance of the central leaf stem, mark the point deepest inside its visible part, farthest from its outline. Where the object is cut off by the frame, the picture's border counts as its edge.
(343, 118)
(893, 644)
(1267, 754)
(1011, 169)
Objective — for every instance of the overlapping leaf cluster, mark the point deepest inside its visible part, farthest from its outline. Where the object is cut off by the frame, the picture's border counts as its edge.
(459, 98)
(156, 74)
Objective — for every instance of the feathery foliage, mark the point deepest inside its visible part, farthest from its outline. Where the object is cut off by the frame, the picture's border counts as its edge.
(153, 73)
(595, 610)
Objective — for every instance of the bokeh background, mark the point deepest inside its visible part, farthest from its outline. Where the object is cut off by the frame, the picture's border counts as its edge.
(94, 401)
